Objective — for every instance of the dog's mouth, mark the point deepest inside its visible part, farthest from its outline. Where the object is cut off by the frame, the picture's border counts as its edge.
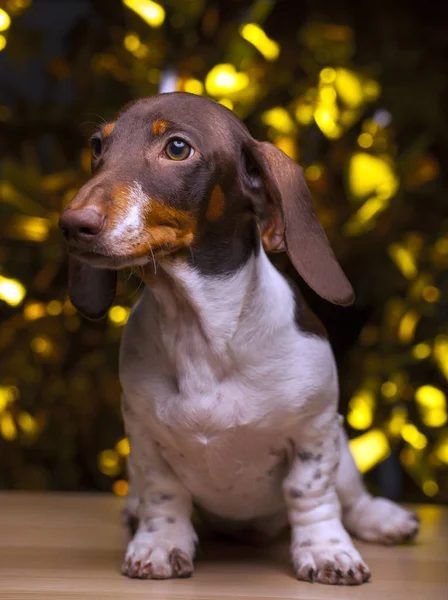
(107, 261)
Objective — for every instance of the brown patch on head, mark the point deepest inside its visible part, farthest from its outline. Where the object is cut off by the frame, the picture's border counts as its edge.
(216, 206)
(159, 127)
(108, 128)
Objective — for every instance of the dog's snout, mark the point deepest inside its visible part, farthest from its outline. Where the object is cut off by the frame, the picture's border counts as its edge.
(82, 224)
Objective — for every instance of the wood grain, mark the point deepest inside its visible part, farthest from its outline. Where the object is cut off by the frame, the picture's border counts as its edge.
(68, 547)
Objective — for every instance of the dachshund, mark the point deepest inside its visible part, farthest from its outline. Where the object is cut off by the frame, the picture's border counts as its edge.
(230, 390)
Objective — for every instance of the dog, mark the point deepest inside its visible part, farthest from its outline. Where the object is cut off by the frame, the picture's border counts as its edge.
(230, 390)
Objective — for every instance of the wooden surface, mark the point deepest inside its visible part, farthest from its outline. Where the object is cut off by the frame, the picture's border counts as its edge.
(67, 547)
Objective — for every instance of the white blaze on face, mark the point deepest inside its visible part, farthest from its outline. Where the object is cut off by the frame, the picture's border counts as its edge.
(132, 217)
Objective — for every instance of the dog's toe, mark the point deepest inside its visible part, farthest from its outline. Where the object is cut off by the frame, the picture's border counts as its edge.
(156, 560)
(343, 566)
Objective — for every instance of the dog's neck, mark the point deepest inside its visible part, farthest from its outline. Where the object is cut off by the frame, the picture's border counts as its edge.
(201, 316)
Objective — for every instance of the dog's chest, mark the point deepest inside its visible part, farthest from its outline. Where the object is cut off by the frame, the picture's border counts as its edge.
(222, 406)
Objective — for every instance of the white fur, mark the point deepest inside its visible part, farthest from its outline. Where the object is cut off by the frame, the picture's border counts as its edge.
(229, 404)
(131, 219)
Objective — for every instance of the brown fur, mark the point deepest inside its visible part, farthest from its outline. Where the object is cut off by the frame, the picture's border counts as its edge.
(159, 127)
(216, 206)
(108, 128)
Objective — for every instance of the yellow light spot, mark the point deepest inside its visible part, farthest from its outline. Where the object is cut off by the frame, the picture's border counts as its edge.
(371, 90)
(327, 75)
(365, 140)
(408, 325)
(397, 421)
(42, 346)
(11, 291)
(8, 394)
(431, 294)
(254, 34)
(404, 260)
(369, 449)
(389, 389)
(363, 219)
(441, 353)
(278, 118)
(313, 172)
(27, 423)
(430, 488)
(421, 351)
(442, 451)
(142, 51)
(34, 311)
(413, 436)
(194, 86)
(361, 408)
(18, 5)
(33, 229)
(118, 315)
(223, 79)
(8, 427)
(2, 42)
(120, 488)
(109, 462)
(54, 308)
(434, 417)
(152, 13)
(327, 94)
(325, 116)
(430, 396)
(122, 447)
(371, 175)
(5, 20)
(131, 42)
(227, 103)
(304, 114)
(348, 87)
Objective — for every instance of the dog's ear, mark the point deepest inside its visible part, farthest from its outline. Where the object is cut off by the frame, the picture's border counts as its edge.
(91, 290)
(288, 222)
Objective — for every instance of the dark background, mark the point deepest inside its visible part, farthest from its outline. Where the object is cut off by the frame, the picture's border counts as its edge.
(359, 92)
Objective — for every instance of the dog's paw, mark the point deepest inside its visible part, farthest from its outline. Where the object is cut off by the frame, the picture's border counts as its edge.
(340, 566)
(156, 560)
(381, 521)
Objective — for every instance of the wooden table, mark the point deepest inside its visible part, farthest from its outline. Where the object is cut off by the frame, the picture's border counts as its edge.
(65, 547)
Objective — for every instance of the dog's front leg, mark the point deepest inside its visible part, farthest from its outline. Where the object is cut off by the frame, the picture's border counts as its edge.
(164, 543)
(321, 548)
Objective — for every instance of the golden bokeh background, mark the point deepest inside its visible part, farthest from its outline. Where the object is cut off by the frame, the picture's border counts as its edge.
(355, 98)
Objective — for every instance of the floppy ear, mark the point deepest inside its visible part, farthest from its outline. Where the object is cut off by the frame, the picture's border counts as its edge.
(91, 290)
(292, 224)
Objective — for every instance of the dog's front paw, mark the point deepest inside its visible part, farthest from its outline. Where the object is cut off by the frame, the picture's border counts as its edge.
(342, 565)
(156, 559)
(381, 521)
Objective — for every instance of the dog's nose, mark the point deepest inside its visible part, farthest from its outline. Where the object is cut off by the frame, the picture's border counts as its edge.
(82, 224)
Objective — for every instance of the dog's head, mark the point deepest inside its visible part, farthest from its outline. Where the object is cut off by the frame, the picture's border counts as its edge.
(177, 173)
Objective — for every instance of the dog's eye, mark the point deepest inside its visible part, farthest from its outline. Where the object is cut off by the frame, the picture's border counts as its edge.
(97, 147)
(178, 150)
